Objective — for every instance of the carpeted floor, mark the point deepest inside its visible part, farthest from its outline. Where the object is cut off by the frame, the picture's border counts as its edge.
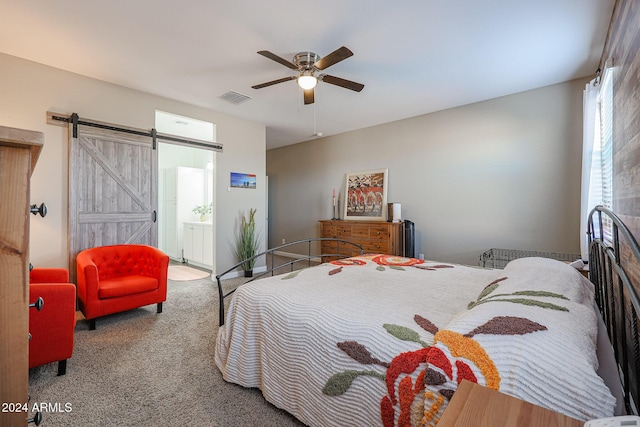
(142, 368)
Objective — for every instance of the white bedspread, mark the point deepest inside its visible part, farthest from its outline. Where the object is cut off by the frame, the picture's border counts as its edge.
(349, 345)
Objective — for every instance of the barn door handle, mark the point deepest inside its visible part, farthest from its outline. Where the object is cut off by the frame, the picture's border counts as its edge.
(42, 209)
(154, 216)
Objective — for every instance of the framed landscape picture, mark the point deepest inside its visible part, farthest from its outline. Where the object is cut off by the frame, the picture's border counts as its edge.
(243, 180)
(366, 195)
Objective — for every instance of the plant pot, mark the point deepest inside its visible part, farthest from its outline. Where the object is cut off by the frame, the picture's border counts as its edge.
(248, 273)
(203, 217)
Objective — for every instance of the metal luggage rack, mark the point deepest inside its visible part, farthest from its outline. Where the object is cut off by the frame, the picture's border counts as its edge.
(499, 258)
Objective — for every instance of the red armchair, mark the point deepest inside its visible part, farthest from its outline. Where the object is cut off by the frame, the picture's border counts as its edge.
(52, 327)
(117, 278)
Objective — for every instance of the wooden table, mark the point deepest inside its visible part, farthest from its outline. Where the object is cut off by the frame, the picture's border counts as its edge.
(473, 405)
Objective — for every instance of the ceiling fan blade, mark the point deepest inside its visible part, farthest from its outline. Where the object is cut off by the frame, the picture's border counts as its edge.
(274, 82)
(309, 96)
(333, 58)
(348, 84)
(278, 59)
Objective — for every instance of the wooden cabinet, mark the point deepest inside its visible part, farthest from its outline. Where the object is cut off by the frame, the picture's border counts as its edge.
(374, 236)
(19, 150)
(198, 243)
(473, 405)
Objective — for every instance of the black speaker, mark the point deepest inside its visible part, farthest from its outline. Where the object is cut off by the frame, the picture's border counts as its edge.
(409, 239)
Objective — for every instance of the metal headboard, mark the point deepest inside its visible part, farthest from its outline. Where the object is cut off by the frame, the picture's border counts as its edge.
(614, 269)
(343, 249)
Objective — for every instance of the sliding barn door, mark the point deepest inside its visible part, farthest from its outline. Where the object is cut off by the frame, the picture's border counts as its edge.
(113, 195)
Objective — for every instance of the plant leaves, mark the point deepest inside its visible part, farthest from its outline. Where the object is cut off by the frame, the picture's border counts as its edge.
(291, 275)
(404, 333)
(507, 325)
(359, 353)
(335, 271)
(339, 383)
(487, 290)
(540, 294)
(528, 294)
(432, 267)
(490, 288)
(425, 324)
(531, 302)
(380, 268)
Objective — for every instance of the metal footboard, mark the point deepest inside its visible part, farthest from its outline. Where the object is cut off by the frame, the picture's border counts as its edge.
(614, 269)
(344, 249)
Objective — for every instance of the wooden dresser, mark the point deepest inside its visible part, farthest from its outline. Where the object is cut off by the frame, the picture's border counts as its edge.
(374, 236)
(19, 150)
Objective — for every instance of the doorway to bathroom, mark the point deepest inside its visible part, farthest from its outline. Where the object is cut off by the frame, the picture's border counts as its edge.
(186, 191)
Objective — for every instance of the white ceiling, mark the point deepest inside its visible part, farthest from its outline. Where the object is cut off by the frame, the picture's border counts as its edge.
(413, 56)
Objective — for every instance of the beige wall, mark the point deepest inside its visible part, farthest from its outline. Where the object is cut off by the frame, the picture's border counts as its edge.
(28, 90)
(502, 173)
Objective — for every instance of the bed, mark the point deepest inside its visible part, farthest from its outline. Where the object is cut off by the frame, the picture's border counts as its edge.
(380, 340)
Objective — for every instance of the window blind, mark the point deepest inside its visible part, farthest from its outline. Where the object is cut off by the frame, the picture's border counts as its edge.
(605, 131)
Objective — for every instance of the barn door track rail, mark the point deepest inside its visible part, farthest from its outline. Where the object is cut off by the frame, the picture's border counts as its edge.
(60, 119)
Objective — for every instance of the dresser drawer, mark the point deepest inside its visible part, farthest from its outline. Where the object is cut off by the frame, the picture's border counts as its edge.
(360, 232)
(349, 250)
(343, 231)
(380, 247)
(327, 247)
(378, 232)
(338, 248)
(373, 236)
(329, 230)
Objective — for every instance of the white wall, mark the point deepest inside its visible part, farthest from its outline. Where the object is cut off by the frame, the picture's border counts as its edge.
(28, 90)
(501, 173)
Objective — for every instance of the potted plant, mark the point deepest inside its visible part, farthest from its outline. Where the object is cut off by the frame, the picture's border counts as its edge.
(247, 242)
(203, 210)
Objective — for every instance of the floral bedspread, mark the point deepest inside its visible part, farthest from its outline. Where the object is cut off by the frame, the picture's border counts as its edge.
(382, 340)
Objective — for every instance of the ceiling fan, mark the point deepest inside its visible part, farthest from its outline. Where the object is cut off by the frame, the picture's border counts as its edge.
(307, 64)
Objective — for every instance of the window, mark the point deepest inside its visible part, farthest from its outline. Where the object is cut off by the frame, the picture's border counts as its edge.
(605, 140)
(601, 188)
(187, 127)
(597, 153)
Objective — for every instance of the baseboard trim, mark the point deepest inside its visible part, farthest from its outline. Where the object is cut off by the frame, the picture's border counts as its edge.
(262, 269)
(239, 273)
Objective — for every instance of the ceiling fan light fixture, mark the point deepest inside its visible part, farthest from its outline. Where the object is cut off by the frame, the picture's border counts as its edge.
(306, 81)
(307, 64)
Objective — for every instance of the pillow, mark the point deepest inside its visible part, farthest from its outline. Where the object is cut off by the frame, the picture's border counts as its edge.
(530, 334)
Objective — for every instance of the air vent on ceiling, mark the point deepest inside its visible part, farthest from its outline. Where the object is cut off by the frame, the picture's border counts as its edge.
(235, 97)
